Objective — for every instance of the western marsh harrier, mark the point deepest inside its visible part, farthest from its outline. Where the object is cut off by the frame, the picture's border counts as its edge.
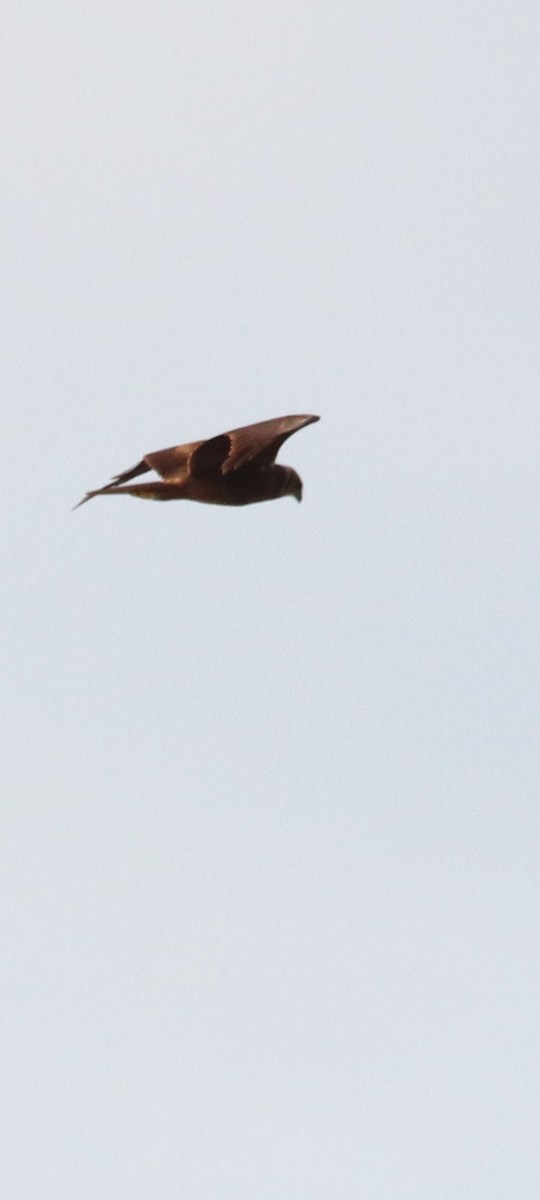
(233, 468)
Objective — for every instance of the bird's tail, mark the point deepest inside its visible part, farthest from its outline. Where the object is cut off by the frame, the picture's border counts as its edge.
(89, 495)
(145, 491)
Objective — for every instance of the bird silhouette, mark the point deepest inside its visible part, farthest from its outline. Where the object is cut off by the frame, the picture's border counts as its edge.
(233, 468)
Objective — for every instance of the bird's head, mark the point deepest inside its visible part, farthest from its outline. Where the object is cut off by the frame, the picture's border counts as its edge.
(294, 484)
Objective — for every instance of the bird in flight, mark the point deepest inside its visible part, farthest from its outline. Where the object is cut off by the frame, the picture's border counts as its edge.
(236, 468)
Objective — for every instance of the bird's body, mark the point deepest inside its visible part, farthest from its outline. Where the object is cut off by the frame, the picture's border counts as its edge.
(234, 468)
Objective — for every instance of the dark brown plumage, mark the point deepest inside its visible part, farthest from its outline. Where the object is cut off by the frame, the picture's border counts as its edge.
(233, 468)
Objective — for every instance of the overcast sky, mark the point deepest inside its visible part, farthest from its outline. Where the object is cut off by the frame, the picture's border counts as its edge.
(270, 822)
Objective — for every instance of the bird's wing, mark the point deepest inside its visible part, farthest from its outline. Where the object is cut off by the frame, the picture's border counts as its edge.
(257, 444)
(170, 464)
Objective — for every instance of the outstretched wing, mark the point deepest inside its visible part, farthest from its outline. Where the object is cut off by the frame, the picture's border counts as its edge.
(257, 444)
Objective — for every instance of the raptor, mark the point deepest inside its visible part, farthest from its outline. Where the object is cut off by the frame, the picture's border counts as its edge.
(233, 468)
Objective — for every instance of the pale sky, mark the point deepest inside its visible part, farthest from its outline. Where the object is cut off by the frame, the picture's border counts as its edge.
(270, 823)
